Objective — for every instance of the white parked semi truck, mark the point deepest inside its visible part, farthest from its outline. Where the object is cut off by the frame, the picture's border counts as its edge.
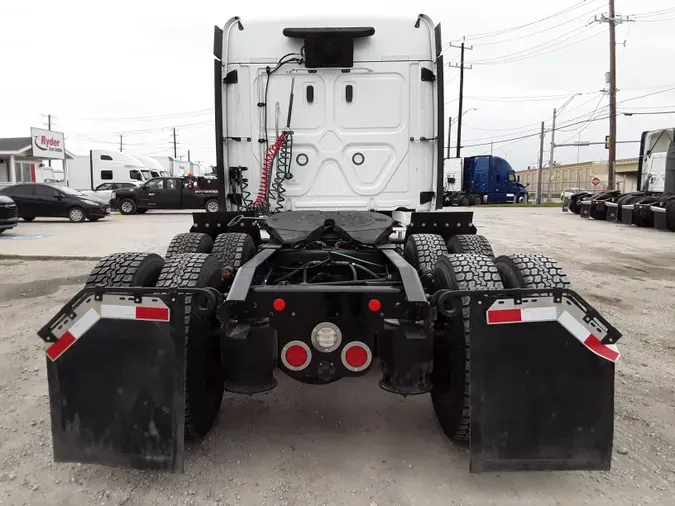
(653, 204)
(327, 131)
(87, 172)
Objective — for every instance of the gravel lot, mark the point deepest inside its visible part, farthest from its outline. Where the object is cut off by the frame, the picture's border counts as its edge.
(347, 443)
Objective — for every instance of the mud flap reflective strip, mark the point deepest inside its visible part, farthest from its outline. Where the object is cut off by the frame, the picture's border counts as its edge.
(153, 311)
(135, 313)
(609, 352)
(533, 314)
(73, 334)
(506, 311)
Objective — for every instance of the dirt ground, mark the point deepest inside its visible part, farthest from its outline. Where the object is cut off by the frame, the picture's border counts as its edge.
(351, 443)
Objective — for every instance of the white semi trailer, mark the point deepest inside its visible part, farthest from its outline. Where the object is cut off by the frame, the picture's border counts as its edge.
(87, 172)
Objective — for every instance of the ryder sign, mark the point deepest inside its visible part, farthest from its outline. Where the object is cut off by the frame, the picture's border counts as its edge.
(47, 143)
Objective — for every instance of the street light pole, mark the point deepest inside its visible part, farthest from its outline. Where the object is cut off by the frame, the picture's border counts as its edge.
(551, 159)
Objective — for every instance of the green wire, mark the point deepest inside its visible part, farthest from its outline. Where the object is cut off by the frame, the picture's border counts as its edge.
(356, 259)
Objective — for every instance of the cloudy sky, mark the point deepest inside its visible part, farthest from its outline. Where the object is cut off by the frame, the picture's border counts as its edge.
(140, 68)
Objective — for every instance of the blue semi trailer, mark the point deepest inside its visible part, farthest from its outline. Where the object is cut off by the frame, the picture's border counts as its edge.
(483, 179)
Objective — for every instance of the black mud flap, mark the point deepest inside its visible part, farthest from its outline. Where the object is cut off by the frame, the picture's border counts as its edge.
(566, 204)
(542, 383)
(660, 218)
(115, 365)
(612, 211)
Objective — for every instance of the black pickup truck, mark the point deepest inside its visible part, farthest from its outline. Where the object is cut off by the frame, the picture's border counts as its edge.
(168, 193)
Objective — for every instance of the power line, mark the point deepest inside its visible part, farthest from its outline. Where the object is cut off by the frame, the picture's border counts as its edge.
(538, 47)
(537, 54)
(514, 28)
(198, 112)
(519, 99)
(647, 95)
(156, 129)
(529, 125)
(584, 116)
(653, 20)
(653, 13)
(587, 124)
(528, 136)
(548, 29)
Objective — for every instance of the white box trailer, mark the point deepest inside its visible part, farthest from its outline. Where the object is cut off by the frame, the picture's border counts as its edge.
(86, 172)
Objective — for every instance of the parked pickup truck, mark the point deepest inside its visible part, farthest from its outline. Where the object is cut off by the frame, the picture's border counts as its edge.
(167, 193)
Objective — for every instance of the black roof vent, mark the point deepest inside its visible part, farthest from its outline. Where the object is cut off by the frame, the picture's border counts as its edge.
(329, 47)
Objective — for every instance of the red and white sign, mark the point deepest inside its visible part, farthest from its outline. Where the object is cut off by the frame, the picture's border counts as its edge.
(595, 181)
(47, 144)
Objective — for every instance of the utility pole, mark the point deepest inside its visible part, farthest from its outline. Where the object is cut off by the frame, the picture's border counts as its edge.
(449, 136)
(121, 143)
(612, 19)
(491, 143)
(188, 155)
(611, 164)
(551, 161)
(541, 164)
(461, 67)
(175, 153)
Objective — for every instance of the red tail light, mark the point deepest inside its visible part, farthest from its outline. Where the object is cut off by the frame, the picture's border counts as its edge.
(356, 356)
(296, 355)
(279, 304)
(374, 305)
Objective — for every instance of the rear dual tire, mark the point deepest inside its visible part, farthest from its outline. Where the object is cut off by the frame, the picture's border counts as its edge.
(451, 389)
(189, 242)
(126, 269)
(204, 373)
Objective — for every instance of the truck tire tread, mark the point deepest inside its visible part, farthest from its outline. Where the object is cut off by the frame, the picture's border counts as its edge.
(450, 394)
(233, 249)
(531, 271)
(189, 242)
(423, 250)
(204, 376)
(470, 243)
(126, 269)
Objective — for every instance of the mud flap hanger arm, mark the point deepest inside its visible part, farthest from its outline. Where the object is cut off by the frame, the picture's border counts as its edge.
(208, 301)
(448, 302)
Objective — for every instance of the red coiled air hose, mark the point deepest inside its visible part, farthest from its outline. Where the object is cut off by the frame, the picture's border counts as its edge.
(266, 172)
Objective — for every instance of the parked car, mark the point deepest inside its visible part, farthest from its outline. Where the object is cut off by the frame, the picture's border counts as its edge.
(568, 192)
(52, 200)
(9, 216)
(104, 191)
